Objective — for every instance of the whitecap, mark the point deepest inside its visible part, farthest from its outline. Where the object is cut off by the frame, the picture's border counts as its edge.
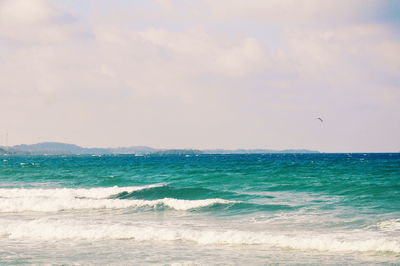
(44, 229)
(93, 193)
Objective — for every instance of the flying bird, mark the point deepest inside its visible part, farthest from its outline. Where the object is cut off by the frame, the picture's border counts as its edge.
(320, 119)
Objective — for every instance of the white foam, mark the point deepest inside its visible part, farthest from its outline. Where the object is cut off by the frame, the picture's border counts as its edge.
(94, 193)
(60, 199)
(184, 263)
(389, 225)
(38, 204)
(72, 229)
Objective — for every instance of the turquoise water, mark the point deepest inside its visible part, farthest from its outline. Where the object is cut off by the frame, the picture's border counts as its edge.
(248, 209)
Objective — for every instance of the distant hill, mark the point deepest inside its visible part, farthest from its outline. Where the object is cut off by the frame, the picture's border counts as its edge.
(48, 148)
(54, 148)
(57, 148)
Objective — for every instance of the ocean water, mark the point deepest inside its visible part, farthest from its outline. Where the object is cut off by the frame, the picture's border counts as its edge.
(254, 209)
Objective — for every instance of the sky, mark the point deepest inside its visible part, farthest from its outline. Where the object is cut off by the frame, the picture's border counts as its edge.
(202, 74)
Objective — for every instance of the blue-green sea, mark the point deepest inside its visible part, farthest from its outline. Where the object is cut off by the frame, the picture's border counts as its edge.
(250, 209)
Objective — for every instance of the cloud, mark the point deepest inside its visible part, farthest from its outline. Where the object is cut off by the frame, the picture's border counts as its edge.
(118, 72)
(118, 79)
(19, 12)
(293, 11)
(35, 21)
(221, 55)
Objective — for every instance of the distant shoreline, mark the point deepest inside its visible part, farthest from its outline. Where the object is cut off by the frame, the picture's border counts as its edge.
(58, 148)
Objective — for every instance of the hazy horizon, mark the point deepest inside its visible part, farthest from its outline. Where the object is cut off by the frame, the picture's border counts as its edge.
(202, 74)
(191, 148)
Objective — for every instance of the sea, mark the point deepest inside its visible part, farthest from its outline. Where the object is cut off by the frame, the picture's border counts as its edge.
(238, 209)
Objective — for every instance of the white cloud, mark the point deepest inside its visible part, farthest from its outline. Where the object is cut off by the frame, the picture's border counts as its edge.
(293, 11)
(20, 12)
(210, 53)
(35, 21)
(201, 85)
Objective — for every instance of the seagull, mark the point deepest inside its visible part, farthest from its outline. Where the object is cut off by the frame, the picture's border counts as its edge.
(320, 119)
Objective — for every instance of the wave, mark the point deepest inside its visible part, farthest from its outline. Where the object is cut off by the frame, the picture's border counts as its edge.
(61, 199)
(390, 225)
(190, 193)
(38, 204)
(93, 193)
(69, 229)
(238, 208)
(157, 196)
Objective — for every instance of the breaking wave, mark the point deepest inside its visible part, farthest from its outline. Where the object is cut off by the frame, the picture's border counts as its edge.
(93, 193)
(61, 199)
(59, 230)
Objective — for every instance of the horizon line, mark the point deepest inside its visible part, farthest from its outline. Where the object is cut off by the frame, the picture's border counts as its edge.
(203, 149)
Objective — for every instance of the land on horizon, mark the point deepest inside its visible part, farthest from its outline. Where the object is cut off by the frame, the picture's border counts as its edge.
(59, 148)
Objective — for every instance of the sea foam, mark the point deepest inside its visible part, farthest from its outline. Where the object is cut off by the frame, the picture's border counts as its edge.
(93, 193)
(389, 225)
(69, 229)
(54, 200)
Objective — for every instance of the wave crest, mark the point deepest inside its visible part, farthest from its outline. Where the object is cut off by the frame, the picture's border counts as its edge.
(58, 230)
(93, 193)
(61, 199)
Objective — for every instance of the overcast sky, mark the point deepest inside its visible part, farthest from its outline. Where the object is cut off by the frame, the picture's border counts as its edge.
(202, 73)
